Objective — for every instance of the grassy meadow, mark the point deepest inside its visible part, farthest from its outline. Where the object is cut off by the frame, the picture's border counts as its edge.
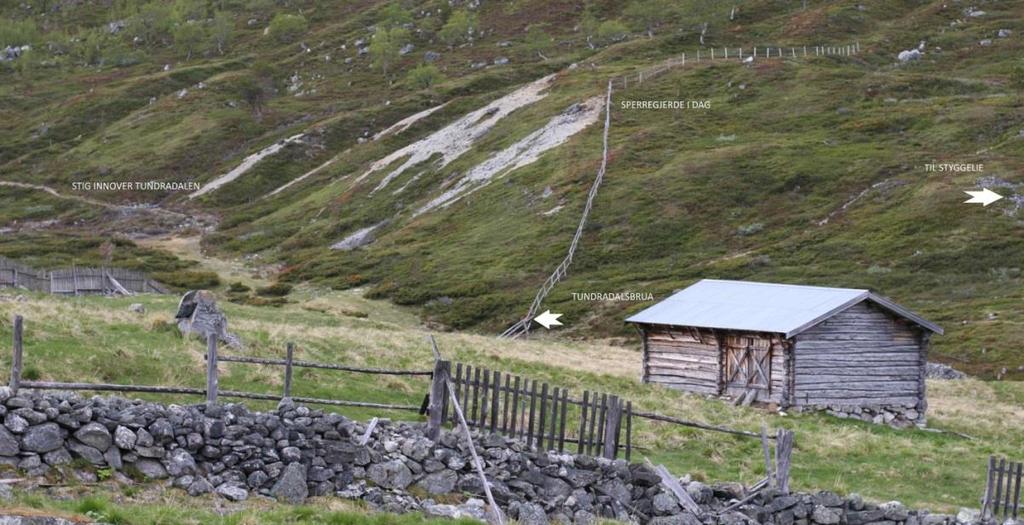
(100, 340)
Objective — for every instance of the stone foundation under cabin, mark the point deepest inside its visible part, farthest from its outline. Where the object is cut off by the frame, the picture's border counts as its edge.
(895, 416)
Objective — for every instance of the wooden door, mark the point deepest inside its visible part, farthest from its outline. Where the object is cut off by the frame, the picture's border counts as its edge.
(748, 367)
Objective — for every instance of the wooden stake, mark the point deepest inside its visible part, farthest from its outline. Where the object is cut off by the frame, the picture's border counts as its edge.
(783, 459)
(211, 370)
(16, 358)
(611, 427)
(442, 371)
(288, 371)
(495, 510)
(767, 454)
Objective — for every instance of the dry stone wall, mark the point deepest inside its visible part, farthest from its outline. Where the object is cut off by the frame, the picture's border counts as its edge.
(296, 452)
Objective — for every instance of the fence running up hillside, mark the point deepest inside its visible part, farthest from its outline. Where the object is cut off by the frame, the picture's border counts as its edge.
(76, 281)
(522, 326)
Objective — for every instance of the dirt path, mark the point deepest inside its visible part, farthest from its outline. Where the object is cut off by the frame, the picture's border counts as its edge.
(205, 221)
(55, 193)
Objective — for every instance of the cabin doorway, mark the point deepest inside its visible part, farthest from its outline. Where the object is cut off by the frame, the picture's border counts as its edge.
(747, 370)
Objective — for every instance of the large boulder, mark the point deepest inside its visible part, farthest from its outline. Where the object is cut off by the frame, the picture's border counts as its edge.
(391, 475)
(95, 435)
(198, 314)
(291, 486)
(42, 438)
(441, 482)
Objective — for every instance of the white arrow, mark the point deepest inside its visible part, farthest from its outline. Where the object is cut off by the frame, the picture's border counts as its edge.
(548, 319)
(983, 197)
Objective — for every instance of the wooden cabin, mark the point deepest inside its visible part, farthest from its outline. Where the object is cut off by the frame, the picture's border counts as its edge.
(849, 351)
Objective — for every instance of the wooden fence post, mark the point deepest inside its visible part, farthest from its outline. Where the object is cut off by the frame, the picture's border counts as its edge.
(986, 500)
(438, 384)
(611, 428)
(767, 454)
(16, 358)
(288, 371)
(211, 370)
(783, 455)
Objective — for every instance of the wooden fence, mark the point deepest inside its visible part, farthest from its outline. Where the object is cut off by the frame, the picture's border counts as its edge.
(212, 390)
(1002, 490)
(76, 281)
(545, 417)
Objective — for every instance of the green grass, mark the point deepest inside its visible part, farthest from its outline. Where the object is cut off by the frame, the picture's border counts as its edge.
(101, 341)
(151, 505)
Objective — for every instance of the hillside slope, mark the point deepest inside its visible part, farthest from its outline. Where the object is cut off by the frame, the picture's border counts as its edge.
(803, 170)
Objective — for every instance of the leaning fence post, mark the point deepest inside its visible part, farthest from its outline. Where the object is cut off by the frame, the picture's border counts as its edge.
(16, 358)
(767, 454)
(211, 370)
(438, 384)
(288, 371)
(783, 459)
(611, 427)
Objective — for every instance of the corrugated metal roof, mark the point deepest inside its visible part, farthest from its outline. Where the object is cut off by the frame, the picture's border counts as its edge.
(762, 307)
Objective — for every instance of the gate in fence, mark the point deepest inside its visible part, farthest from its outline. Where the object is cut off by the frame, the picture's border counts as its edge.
(545, 418)
(1002, 490)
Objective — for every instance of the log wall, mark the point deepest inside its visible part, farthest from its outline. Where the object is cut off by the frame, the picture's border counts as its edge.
(860, 357)
(692, 359)
(683, 359)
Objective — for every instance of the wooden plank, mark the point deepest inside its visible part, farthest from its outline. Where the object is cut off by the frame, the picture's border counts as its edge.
(602, 414)
(629, 430)
(783, 459)
(369, 431)
(473, 417)
(533, 407)
(986, 502)
(580, 443)
(554, 420)
(211, 370)
(1000, 472)
(457, 385)
(485, 389)
(289, 354)
(611, 427)
(495, 394)
(495, 510)
(18, 350)
(694, 424)
(326, 366)
(467, 381)
(438, 385)
(1016, 490)
(672, 484)
(767, 456)
(561, 423)
(515, 407)
(504, 405)
(543, 412)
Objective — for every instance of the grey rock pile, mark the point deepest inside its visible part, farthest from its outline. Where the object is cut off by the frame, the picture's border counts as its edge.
(941, 371)
(296, 452)
(894, 416)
